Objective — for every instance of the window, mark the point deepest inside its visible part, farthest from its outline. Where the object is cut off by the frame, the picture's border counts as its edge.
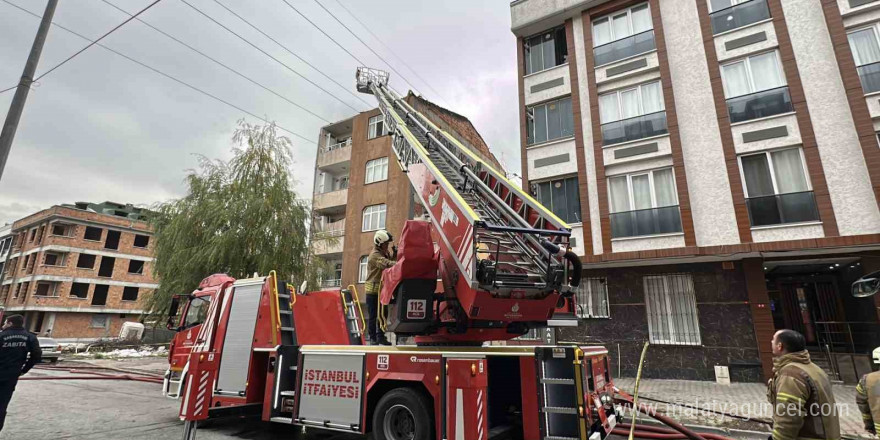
(141, 241)
(100, 321)
(623, 34)
(33, 234)
(866, 53)
(112, 241)
(592, 298)
(545, 50)
(633, 113)
(644, 204)
(99, 297)
(197, 311)
(46, 289)
(79, 290)
(106, 268)
(672, 309)
(92, 233)
(755, 87)
(732, 14)
(377, 170)
(362, 269)
(374, 218)
(549, 121)
(135, 266)
(129, 293)
(86, 261)
(55, 259)
(59, 229)
(777, 188)
(376, 127)
(561, 196)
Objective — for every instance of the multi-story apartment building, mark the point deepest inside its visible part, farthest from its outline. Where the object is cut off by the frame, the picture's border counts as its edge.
(720, 160)
(359, 188)
(5, 246)
(79, 271)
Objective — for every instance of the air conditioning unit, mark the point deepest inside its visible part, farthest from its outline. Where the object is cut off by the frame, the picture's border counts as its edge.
(131, 331)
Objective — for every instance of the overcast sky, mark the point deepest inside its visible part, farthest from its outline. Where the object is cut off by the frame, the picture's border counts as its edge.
(103, 128)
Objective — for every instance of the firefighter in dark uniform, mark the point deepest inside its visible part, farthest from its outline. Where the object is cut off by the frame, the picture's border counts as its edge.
(380, 258)
(868, 397)
(19, 351)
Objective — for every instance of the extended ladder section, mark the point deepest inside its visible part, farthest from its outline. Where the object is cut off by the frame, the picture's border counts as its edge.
(502, 240)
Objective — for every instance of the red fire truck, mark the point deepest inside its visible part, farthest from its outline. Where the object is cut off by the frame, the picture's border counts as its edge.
(257, 346)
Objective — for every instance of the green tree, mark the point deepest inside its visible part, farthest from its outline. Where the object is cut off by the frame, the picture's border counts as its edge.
(239, 217)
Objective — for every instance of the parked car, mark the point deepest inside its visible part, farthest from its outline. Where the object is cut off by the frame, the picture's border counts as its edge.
(51, 349)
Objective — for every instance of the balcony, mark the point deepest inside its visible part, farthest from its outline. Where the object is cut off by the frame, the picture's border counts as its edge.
(639, 127)
(665, 220)
(782, 208)
(624, 48)
(331, 199)
(869, 75)
(334, 229)
(335, 153)
(328, 246)
(759, 105)
(739, 15)
(331, 284)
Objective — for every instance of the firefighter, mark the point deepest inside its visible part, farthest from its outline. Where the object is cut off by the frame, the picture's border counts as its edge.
(868, 397)
(800, 393)
(380, 258)
(19, 351)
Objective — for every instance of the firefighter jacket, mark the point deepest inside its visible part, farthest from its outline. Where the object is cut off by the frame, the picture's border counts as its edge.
(868, 400)
(803, 405)
(376, 263)
(19, 351)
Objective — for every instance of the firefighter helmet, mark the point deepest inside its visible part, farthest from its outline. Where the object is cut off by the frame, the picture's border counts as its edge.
(381, 237)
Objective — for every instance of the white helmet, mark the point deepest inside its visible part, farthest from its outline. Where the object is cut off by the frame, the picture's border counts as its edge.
(877, 355)
(381, 237)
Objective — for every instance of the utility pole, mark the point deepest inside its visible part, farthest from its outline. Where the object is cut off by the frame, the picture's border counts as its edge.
(24, 86)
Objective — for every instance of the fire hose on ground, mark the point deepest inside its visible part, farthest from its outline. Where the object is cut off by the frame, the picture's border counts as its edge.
(90, 373)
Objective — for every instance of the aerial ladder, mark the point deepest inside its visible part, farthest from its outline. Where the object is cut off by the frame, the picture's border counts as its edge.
(504, 259)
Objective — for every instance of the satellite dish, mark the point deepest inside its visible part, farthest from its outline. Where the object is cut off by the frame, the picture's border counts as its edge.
(867, 285)
(302, 287)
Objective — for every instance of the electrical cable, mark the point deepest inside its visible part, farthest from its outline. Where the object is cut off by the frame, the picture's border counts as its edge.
(325, 34)
(94, 42)
(251, 80)
(347, 89)
(190, 86)
(416, 73)
(267, 54)
(368, 47)
(6, 90)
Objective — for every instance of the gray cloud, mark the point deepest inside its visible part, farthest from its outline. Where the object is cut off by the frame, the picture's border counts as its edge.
(102, 128)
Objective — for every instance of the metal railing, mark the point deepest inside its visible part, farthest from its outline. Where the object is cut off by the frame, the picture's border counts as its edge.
(336, 146)
(759, 104)
(869, 75)
(639, 127)
(334, 229)
(331, 283)
(653, 221)
(624, 48)
(739, 15)
(782, 208)
(343, 185)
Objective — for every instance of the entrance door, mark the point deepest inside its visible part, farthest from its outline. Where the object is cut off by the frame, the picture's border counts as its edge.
(813, 308)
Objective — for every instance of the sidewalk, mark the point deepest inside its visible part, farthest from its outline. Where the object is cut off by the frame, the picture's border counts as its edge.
(747, 400)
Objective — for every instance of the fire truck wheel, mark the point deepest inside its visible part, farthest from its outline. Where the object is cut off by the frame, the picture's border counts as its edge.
(403, 414)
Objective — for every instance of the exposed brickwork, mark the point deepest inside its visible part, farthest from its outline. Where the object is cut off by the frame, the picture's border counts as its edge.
(78, 325)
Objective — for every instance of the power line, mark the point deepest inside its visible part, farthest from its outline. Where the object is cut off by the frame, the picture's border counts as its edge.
(325, 34)
(310, 141)
(96, 41)
(6, 90)
(416, 73)
(367, 46)
(347, 89)
(267, 54)
(251, 80)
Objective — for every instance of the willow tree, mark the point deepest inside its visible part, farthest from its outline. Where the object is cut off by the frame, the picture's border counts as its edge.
(239, 217)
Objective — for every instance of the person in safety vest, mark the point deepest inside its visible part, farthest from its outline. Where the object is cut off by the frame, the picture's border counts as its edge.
(381, 258)
(800, 393)
(868, 397)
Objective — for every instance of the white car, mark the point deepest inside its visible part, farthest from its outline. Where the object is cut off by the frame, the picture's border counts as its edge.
(51, 349)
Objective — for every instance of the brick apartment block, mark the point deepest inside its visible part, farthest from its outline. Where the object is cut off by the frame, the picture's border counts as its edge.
(78, 271)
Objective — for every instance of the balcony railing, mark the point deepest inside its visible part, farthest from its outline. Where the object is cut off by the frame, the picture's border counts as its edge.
(759, 104)
(336, 146)
(331, 283)
(782, 208)
(740, 15)
(869, 75)
(665, 220)
(624, 48)
(631, 129)
(334, 229)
